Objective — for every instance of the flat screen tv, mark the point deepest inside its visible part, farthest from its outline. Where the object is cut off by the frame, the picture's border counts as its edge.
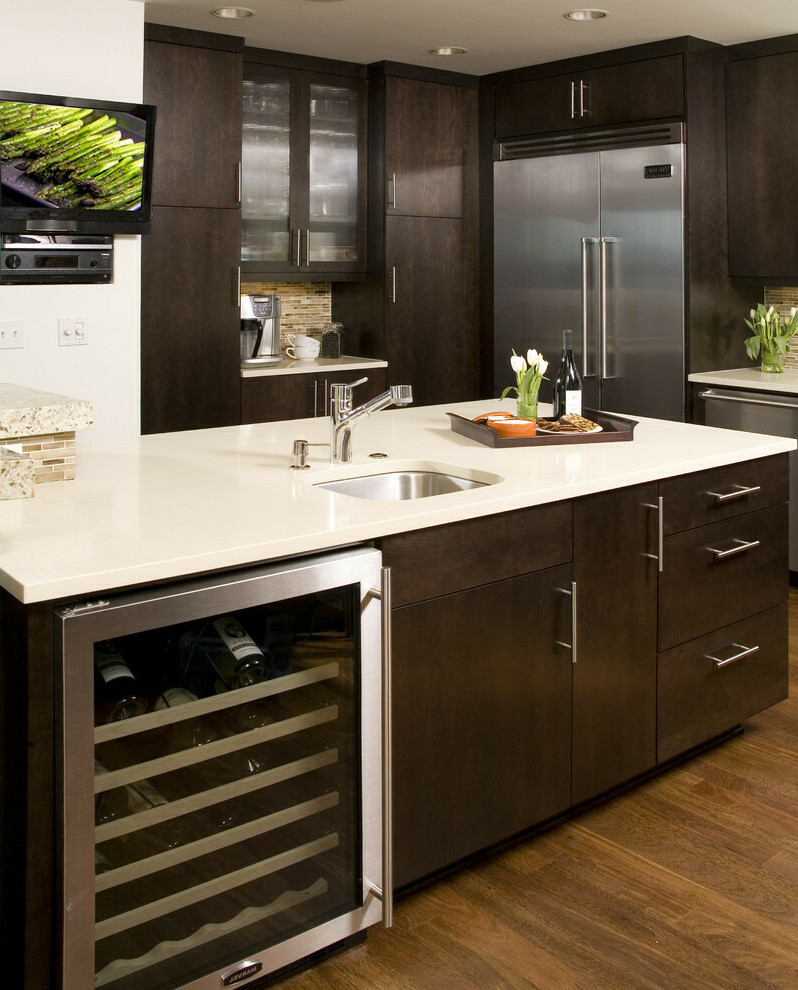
(71, 165)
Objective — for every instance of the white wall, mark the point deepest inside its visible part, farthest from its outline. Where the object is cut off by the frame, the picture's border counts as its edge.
(92, 49)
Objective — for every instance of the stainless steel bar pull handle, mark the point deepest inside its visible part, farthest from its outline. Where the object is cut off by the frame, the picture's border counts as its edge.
(393, 284)
(584, 104)
(307, 246)
(392, 203)
(659, 556)
(237, 286)
(604, 265)
(238, 182)
(586, 241)
(573, 100)
(573, 645)
(298, 247)
(745, 651)
(385, 893)
(739, 492)
(742, 546)
(716, 397)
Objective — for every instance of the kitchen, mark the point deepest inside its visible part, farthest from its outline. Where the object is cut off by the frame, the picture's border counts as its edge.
(84, 372)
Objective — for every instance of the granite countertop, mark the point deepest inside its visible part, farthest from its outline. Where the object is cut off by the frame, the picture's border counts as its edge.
(26, 412)
(166, 505)
(288, 366)
(751, 378)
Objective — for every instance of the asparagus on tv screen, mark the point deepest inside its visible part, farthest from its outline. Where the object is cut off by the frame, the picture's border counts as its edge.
(75, 157)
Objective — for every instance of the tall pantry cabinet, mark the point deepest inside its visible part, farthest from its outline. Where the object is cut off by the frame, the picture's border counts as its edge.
(190, 261)
(417, 306)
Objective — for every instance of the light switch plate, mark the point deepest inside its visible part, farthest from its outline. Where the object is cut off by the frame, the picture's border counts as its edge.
(11, 334)
(71, 331)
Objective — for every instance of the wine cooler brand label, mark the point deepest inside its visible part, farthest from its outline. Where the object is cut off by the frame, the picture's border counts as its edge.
(658, 171)
(243, 973)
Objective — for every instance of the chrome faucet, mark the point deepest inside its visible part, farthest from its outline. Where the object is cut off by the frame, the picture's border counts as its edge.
(343, 417)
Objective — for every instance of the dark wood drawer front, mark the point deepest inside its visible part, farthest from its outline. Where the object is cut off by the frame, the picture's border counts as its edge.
(709, 496)
(703, 690)
(710, 580)
(428, 563)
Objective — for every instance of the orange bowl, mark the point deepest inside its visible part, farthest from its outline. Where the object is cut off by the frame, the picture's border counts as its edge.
(513, 427)
(492, 416)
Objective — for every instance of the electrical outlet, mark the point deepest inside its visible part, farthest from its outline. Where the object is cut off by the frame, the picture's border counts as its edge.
(71, 331)
(11, 334)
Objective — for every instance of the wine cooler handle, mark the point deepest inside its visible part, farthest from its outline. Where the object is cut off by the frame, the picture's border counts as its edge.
(385, 893)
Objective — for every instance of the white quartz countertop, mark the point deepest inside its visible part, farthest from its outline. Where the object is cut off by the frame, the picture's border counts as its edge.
(751, 378)
(28, 412)
(162, 506)
(289, 366)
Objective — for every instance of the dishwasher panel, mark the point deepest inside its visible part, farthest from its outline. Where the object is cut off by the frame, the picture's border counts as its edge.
(760, 412)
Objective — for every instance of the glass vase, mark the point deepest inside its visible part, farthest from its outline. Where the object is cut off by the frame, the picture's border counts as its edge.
(527, 407)
(772, 361)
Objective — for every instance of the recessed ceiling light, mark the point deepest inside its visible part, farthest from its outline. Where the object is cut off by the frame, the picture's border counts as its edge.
(450, 50)
(233, 12)
(588, 14)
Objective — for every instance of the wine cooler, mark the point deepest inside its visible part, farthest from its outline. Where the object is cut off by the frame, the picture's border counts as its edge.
(223, 773)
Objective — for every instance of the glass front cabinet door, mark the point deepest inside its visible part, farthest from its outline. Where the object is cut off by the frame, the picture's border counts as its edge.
(303, 172)
(221, 775)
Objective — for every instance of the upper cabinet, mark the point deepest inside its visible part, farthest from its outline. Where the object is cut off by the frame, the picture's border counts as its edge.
(761, 106)
(424, 148)
(197, 90)
(650, 89)
(304, 172)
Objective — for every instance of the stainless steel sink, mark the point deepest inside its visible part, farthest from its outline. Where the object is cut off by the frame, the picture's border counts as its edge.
(395, 486)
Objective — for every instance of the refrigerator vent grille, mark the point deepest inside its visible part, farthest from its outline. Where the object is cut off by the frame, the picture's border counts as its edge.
(571, 144)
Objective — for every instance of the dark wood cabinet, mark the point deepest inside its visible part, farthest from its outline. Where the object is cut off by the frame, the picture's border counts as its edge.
(197, 92)
(426, 309)
(615, 674)
(484, 716)
(424, 148)
(190, 261)
(632, 92)
(189, 320)
(761, 104)
(271, 398)
(418, 305)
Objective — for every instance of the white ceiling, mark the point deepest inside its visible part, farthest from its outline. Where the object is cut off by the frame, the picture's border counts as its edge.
(499, 34)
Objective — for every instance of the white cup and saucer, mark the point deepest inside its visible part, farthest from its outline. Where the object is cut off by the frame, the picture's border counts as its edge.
(302, 347)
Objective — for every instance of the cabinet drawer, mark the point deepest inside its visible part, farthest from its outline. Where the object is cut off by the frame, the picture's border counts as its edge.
(710, 579)
(428, 563)
(709, 496)
(703, 691)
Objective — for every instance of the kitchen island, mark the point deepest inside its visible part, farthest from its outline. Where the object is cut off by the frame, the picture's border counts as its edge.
(589, 614)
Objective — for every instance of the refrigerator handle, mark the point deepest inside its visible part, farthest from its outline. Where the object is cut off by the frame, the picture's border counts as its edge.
(604, 264)
(586, 372)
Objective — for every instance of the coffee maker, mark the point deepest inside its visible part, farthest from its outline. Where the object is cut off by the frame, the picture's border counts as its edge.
(260, 331)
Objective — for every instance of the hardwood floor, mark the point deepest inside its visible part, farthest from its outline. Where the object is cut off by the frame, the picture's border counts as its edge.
(688, 882)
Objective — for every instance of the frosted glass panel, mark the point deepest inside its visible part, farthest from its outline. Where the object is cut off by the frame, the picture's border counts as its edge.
(333, 173)
(266, 169)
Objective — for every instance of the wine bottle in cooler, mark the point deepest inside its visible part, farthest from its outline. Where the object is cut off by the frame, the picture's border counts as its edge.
(117, 694)
(568, 382)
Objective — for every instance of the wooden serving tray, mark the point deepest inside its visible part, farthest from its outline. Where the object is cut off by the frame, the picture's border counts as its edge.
(613, 428)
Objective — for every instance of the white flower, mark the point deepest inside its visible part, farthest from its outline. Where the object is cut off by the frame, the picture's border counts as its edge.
(532, 357)
(518, 364)
(542, 365)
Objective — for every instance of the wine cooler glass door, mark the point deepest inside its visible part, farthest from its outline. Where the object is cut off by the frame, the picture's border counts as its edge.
(220, 774)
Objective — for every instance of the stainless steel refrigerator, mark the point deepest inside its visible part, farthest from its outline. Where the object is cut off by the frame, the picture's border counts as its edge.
(593, 241)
